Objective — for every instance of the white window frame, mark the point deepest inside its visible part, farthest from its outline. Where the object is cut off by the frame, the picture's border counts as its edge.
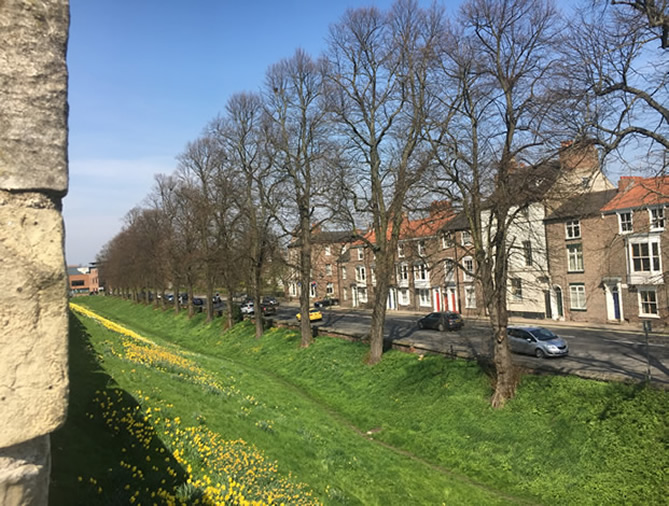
(372, 272)
(575, 258)
(421, 272)
(423, 296)
(447, 240)
(328, 250)
(470, 297)
(654, 258)
(466, 237)
(572, 229)
(626, 226)
(400, 250)
(404, 296)
(344, 293)
(645, 302)
(449, 270)
(360, 273)
(656, 216)
(516, 289)
(312, 290)
(577, 297)
(293, 289)
(468, 269)
(362, 294)
(343, 272)
(328, 269)
(361, 254)
(527, 252)
(402, 272)
(329, 289)
(421, 248)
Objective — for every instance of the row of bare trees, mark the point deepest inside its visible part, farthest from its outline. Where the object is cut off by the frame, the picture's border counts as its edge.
(404, 105)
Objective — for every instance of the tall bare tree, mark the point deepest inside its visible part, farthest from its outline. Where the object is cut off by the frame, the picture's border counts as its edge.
(497, 66)
(242, 137)
(378, 70)
(298, 132)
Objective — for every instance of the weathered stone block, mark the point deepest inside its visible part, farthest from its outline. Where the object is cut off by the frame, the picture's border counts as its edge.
(24, 473)
(33, 318)
(33, 94)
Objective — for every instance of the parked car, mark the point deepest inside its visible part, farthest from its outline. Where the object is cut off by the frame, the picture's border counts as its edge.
(247, 308)
(444, 320)
(198, 304)
(536, 341)
(270, 301)
(314, 315)
(326, 302)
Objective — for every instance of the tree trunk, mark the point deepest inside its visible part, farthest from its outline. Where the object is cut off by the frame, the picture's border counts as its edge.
(305, 280)
(230, 320)
(191, 309)
(379, 309)
(257, 312)
(210, 299)
(175, 299)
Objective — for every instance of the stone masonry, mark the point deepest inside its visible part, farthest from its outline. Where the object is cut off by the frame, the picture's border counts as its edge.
(33, 282)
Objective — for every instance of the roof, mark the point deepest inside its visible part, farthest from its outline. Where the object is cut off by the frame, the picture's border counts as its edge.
(583, 205)
(422, 227)
(334, 236)
(639, 192)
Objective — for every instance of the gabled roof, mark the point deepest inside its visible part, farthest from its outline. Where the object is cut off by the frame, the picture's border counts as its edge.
(583, 205)
(638, 192)
(422, 227)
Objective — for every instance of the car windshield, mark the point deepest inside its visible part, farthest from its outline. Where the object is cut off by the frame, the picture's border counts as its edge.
(543, 334)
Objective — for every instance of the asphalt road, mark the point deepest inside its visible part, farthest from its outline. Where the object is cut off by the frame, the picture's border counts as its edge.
(594, 352)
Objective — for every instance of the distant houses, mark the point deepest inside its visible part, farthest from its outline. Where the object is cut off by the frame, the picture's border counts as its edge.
(580, 249)
(83, 280)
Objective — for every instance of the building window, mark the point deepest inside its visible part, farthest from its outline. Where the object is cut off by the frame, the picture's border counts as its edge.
(625, 222)
(293, 289)
(404, 298)
(420, 272)
(361, 273)
(647, 302)
(403, 272)
(577, 297)
(468, 264)
(400, 250)
(343, 273)
(516, 289)
(328, 269)
(362, 294)
(329, 289)
(449, 270)
(656, 218)
(573, 229)
(361, 254)
(575, 258)
(470, 297)
(78, 282)
(421, 248)
(466, 237)
(372, 271)
(328, 250)
(344, 293)
(447, 241)
(423, 297)
(527, 249)
(312, 290)
(645, 256)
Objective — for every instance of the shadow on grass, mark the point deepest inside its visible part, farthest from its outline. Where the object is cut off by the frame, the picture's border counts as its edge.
(105, 453)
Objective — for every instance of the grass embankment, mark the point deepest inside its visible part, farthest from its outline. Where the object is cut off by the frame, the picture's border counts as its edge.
(561, 440)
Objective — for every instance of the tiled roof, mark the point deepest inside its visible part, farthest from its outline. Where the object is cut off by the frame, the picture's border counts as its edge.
(423, 227)
(583, 205)
(639, 192)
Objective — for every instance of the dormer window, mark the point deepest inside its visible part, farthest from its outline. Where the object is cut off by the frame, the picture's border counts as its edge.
(625, 222)
(447, 241)
(656, 218)
(573, 229)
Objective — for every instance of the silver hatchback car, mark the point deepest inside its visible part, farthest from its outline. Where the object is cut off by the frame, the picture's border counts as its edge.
(536, 341)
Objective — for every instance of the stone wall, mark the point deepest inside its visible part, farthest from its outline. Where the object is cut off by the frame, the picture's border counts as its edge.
(33, 282)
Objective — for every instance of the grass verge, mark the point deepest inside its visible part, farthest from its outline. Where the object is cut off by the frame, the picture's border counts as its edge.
(562, 440)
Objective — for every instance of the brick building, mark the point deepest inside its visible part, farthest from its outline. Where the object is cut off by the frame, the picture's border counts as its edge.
(83, 280)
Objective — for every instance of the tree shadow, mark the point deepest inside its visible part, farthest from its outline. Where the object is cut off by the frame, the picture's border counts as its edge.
(106, 453)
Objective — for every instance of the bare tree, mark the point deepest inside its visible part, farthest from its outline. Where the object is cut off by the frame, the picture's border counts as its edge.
(241, 136)
(378, 68)
(617, 61)
(298, 133)
(497, 65)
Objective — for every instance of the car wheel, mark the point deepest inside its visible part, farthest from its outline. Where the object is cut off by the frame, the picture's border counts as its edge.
(441, 327)
(539, 353)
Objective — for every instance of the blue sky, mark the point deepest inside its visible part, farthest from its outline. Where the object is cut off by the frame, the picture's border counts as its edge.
(146, 76)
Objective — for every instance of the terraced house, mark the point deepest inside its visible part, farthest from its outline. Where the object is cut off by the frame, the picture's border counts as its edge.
(579, 249)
